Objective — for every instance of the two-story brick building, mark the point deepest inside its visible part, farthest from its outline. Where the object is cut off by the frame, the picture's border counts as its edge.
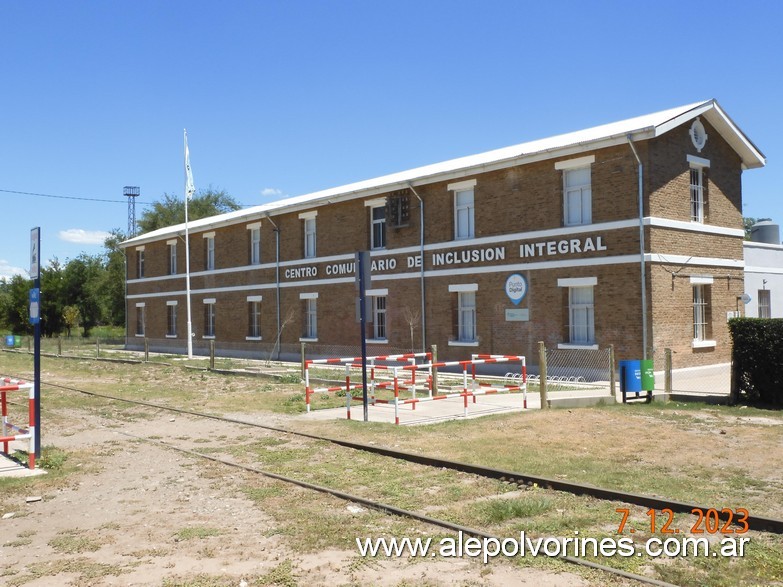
(627, 234)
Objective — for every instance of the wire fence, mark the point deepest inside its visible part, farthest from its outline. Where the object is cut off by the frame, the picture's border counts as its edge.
(675, 375)
(577, 369)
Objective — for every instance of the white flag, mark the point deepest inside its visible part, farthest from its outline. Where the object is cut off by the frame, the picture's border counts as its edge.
(190, 187)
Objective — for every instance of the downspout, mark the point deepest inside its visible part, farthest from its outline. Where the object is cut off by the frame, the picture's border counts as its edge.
(641, 248)
(421, 256)
(277, 280)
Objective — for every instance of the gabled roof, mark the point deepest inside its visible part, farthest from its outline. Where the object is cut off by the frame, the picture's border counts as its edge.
(639, 128)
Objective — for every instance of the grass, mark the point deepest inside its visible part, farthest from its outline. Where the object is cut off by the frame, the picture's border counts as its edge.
(673, 450)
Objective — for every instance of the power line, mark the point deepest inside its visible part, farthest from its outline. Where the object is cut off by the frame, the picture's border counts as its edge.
(124, 202)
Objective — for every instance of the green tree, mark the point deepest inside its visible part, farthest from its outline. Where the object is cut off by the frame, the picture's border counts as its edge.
(171, 210)
(71, 317)
(14, 304)
(111, 287)
(82, 278)
(52, 287)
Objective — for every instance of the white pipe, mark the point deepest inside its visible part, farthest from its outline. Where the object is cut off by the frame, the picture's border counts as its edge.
(641, 248)
(421, 254)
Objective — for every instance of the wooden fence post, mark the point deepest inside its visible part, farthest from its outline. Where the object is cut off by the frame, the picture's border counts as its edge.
(146, 350)
(59, 345)
(542, 375)
(212, 354)
(667, 374)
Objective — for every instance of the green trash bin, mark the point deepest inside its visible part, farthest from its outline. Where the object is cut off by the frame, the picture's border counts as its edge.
(648, 376)
(17, 341)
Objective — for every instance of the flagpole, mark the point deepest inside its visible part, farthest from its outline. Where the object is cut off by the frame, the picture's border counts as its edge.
(187, 249)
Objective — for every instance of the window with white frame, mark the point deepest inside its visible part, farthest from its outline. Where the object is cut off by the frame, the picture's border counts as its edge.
(581, 315)
(172, 257)
(309, 316)
(378, 227)
(765, 304)
(209, 251)
(700, 308)
(140, 319)
(379, 317)
(254, 237)
(581, 310)
(464, 209)
(209, 318)
(254, 317)
(697, 191)
(577, 190)
(309, 233)
(466, 317)
(171, 319)
(140, 262)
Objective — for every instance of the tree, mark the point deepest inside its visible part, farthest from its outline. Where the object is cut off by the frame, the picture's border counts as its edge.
(112, 283)
(171, 210)
(71, 317)
(14, 304)
(82, 280)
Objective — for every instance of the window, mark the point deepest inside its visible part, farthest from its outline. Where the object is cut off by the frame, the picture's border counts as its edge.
(309, 233)
(464, 217)
(172, 257)
(378, 227)
(379, 317)
(140, 262)
(580, 312)
(466, 330)
(209, 252)
(254, 234)
(581, 315)
(311, 319)
(171, 319)
(140, 319)
(697, 194)
(765, 306)
(254, 317)
(698, 167)
(578, 196)
(700, 310)
(577, 190)
(209, 318)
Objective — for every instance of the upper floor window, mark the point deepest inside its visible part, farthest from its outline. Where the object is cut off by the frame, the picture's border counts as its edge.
(378, 227)
(140, 262)
(309, 233)
(464, 209)
(172, 257)
(577, 190)
(697, 183)
(209, 251)
(254, 238)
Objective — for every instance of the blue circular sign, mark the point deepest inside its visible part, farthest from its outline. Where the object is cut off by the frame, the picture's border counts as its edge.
(516, 288)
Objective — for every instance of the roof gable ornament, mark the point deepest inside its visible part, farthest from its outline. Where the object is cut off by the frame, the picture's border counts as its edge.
(698, 135)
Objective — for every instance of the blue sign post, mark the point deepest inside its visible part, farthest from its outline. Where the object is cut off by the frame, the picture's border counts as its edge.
(35, 319)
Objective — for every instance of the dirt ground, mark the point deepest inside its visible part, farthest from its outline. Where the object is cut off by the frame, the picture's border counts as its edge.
(140, 514)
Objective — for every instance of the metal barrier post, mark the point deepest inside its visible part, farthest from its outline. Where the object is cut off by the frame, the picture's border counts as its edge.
(612, 381)
(434, 360)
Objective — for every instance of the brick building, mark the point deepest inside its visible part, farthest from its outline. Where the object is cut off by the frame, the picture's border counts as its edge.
(534, 242)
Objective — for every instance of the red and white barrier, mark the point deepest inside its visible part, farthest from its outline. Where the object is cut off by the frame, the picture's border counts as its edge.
(8, 385)
(404, 377)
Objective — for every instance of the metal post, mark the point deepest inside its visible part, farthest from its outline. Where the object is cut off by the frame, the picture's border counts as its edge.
(211, 355)
(146, 350)
(302, 355)
(667, 375)
(434, 351)
(612, 379)
(542, 375)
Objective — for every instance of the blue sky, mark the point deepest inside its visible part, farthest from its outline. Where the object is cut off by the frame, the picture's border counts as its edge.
(285, 98)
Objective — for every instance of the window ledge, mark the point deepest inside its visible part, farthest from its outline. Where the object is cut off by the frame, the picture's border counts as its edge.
(253, 338)
(377, 341)
(308, 339)
(570, 345)
(463, 343)
(703, 344)
(205, 337)
(139, 336)
(171, 336)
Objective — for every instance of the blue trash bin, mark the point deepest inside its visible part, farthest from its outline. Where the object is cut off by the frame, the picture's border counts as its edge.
(630, 376)
(9, 341)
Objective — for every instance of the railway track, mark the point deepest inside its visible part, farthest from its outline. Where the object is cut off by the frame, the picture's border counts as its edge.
(754, 522)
